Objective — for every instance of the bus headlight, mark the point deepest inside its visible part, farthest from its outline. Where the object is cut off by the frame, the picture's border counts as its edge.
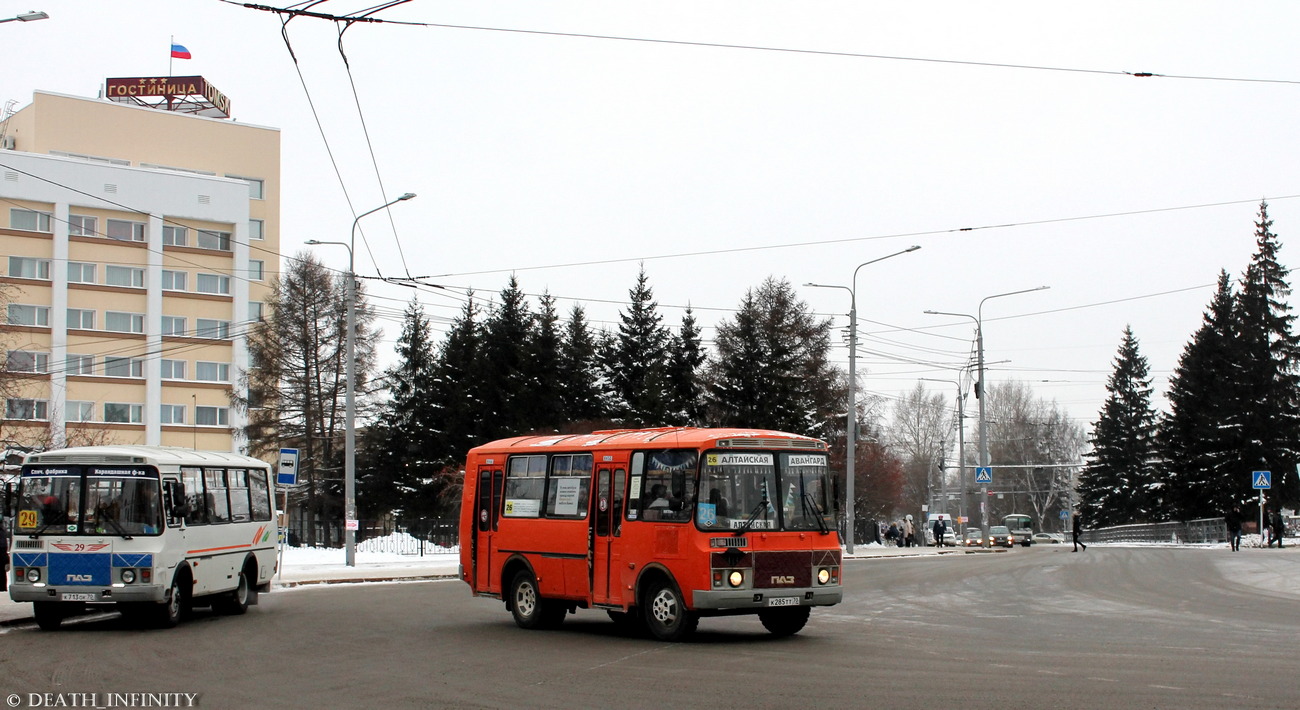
(736, 578)
(823, 575)
(33, 574)
(128, 576)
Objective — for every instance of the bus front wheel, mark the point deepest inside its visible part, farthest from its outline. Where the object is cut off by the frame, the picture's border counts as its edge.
(236, 601)
(168, 614)
(666, 614)
(49, 615)
(786, 621)
(530, 609)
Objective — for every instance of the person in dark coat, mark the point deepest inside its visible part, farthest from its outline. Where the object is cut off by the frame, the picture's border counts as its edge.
(1233, 521)
(1078, 530)
(1276, 527)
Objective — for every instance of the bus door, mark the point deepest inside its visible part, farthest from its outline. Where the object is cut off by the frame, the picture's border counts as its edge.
(487, 506)
(606, 522)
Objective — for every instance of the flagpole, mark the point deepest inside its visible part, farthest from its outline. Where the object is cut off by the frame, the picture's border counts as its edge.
(170, 42)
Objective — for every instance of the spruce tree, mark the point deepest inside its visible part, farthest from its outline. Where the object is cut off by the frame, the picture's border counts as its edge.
(1195, 436)
(458, 391)
(580, 375)
(685, 360)
(545, 404)
(637, 365)
(1118, 484)
(505, 370)
(1267, 407)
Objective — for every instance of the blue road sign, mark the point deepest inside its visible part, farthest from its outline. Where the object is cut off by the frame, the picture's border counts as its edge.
(1263, 480)
(1065, 514)
(983, 474)
(287, 474)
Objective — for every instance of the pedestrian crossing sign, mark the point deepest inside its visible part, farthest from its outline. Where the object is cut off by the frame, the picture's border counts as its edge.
(983, 474)
(1263, 479)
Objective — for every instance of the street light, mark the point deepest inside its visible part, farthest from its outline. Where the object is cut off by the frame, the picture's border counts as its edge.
(961, 450)
(981, 393)
(851, 445)
(350, 437)
(29, 16)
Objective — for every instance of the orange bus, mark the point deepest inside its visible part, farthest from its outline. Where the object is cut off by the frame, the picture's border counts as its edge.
(658, 527)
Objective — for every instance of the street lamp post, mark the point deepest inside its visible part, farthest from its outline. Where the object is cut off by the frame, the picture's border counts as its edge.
(961, 451)
(350, 522)
(981, 394)
(852, 433)
(29, 16)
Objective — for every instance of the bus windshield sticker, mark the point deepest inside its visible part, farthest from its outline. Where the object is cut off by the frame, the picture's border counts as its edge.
(737, 459)
(707, 514)
(567, 491)
(523, 508)
(807, 460)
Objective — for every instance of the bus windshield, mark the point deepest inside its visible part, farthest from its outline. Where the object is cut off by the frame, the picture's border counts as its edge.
(748, 490)
(90, 500)
(804, 505)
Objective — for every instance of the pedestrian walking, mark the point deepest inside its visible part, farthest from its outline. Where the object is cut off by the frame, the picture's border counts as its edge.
(1233, 521)
(909, 532)
(1078, 530)
(937, 531)
(1276, 528)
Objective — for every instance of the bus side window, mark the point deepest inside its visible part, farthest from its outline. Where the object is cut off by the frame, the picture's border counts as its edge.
(195, 501)
(619, 476)
(173, 497)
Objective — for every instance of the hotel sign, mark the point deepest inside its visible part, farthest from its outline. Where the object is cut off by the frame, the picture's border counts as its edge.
(166, 87)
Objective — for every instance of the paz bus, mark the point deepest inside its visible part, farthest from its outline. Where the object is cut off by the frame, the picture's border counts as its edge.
(149, 530)
(1021, 527)
(658, 527)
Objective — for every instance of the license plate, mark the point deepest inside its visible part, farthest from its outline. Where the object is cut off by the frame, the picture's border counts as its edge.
(783, 601)
(79, 597)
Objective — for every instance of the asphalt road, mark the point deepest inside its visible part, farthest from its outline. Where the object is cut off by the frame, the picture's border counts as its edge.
(1036, 628)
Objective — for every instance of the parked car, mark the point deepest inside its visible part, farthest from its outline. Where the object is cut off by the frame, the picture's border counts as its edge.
(974, 537)
(1001, 535)
(1049, 538)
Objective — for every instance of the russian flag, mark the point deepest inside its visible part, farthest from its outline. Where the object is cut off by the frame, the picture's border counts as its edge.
(179, 52)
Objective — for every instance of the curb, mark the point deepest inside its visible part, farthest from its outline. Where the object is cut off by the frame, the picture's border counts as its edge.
(357, 580)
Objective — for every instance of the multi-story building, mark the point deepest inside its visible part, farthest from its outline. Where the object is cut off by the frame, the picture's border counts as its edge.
(138, 246)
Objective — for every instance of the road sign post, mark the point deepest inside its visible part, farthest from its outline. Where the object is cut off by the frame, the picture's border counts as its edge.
(1261, 481)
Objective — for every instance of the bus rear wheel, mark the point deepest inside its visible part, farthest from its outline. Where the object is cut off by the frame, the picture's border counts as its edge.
(784, 622)
(666, 614)
(530, 609)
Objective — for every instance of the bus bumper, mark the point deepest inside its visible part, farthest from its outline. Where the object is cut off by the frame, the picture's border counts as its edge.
(764, 598)
(132, 593)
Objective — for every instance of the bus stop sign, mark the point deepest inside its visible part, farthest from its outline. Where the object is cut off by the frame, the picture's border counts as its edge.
(287, 473)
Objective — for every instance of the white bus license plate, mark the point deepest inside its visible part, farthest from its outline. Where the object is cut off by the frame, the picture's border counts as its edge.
(79, 598)
(783, 601)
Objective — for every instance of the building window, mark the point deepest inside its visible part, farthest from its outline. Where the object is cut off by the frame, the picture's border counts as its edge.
(80, 364)
(83, 226)
(29, 315)
(23, 267)
(175, 236)
(174, 280)
(173, 369)
(256, 269)
(80, 272)
(212, 371)
(124, 322)
(80, 411)
(208, 239)
(27, 361)
(212, 283)
(212, 416)
(255, 186)
(81, 319)
(128, 276)
(123, 366)
(256, 229)
(255, 311)
(125, 231)
(173, 325)
(173, 414)
(29, 220)
(121, 413)
(27, 409)
(208, 328)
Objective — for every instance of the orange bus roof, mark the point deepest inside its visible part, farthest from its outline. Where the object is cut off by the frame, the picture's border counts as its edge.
(660, 437)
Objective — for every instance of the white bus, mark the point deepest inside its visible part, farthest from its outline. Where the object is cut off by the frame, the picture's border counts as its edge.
(151, 530)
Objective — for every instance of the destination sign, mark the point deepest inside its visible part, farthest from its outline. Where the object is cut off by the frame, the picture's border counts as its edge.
(739, 459)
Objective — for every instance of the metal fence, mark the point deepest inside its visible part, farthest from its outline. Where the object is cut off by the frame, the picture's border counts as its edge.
(1191, 531)
(421, 537)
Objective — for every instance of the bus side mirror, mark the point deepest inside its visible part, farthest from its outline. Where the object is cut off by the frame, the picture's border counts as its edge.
(181, 510)
(9, 494)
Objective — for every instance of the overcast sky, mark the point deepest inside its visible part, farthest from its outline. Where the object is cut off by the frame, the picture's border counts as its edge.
(533, 152)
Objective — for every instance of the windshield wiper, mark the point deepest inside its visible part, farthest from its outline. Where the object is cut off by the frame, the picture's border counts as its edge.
(810, 506)
(62, 517)
(760, 508)
(112, 522)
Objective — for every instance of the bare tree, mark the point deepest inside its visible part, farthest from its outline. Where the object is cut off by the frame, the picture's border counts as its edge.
(917, 433)
(1034, 449)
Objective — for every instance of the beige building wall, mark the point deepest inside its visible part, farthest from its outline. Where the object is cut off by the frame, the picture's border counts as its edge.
(143, 243)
